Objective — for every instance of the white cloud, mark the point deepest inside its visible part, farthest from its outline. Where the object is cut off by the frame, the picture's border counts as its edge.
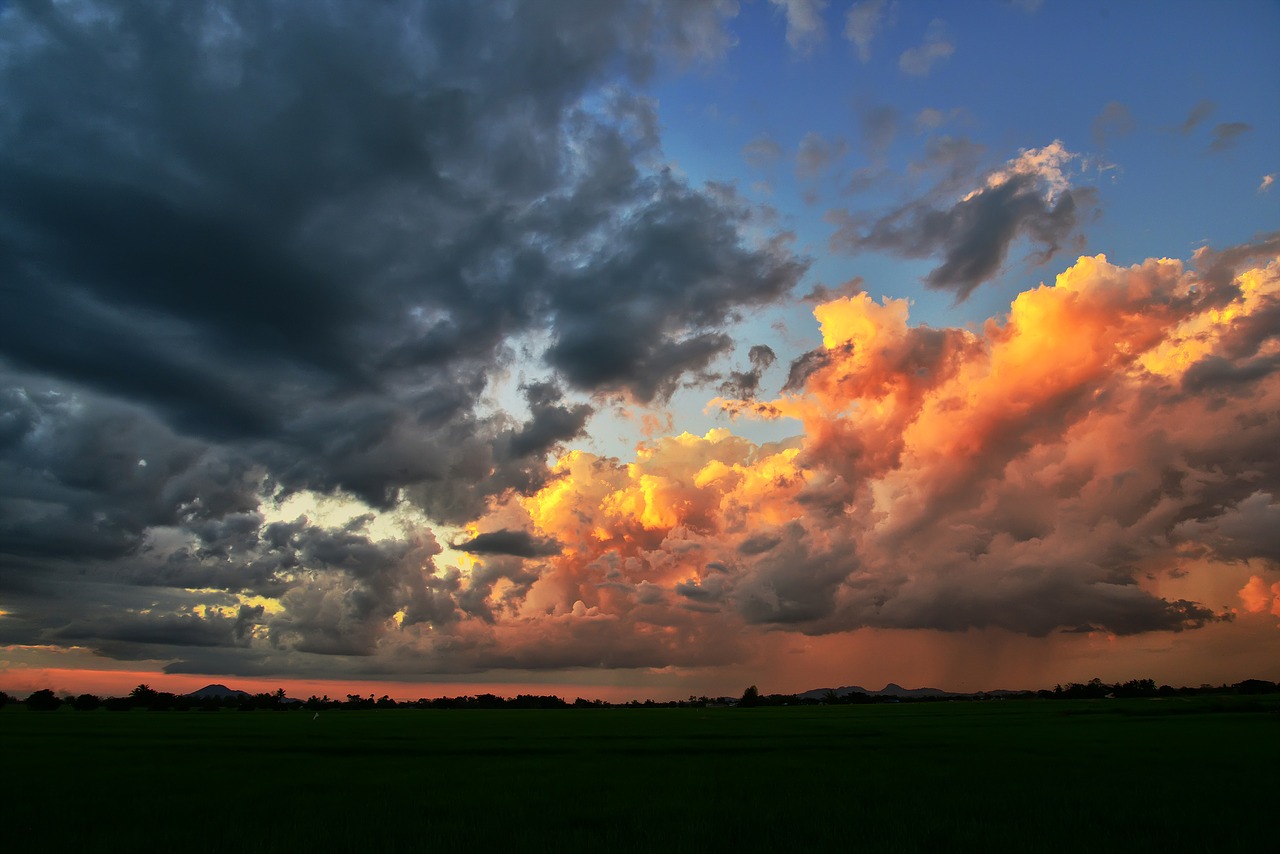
(805, 26)
(863, 24)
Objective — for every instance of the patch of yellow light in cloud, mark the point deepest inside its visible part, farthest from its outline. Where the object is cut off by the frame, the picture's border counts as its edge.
(335, 511)
(1201, 334)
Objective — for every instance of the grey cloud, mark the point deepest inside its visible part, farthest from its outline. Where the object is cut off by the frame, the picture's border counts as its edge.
(1036, 603)
(761, 152)
(972, 235)
(1219, 374)
(314, 238)
(816, 153)
(794, 581)
(1201, 111)
(233, 270)
(552, 422)
(1115, 120)
(743, 385)
(1225, 135)
(509, 542)
(879, 126)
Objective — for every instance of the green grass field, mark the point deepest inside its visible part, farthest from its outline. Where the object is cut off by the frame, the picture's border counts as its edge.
(1126, 775)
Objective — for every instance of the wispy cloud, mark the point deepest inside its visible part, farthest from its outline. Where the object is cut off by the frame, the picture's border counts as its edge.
(1201, 111)
(1115, 120)
(1226, 134)
(937, 46)
(864, 22)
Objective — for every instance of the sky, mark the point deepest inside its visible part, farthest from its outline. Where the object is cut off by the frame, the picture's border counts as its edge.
(638, 349)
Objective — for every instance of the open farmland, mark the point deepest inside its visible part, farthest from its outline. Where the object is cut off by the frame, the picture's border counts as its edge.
(1133, 775)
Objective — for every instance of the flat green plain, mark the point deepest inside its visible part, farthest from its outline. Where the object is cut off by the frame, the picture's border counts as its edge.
(1178, 774)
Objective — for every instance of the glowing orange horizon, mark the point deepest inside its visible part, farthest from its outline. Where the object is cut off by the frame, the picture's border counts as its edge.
(19, 682)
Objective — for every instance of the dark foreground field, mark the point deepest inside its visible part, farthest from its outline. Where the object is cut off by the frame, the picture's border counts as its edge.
(1126, 775)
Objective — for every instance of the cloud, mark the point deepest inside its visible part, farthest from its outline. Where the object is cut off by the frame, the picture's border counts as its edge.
(1031, 196)
(761, 152)
(1267, 181)
(238, 277)
(508, 542)
(816, 153)
(879, 126)
(1226, 134)
(805, 26)
(343, 305)
(1201, 111)
(919, 61)
(1257, 597)
(1115, 120)
(1033, 475)
(864, 22)
(1051, 469)
(744, 384)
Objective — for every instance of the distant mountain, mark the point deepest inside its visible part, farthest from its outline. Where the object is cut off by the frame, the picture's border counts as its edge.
(891, 690)
(218, 692)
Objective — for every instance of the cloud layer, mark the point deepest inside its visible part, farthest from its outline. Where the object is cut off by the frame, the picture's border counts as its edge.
(238, 280)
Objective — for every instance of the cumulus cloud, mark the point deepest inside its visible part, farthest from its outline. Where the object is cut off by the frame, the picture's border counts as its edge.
(1036, 475)
(1030, 196)
(1259, 597)
(1044, 472)
(919, 61)
(229, 297)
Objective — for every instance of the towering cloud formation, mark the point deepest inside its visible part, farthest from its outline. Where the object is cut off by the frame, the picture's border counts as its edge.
(1043, 474)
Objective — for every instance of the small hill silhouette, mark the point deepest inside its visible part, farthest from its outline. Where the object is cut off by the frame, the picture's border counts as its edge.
(217, 691)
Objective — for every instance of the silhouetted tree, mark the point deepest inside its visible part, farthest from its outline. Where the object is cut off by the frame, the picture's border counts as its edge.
(86, 703)
(43, 700)
(751, 696)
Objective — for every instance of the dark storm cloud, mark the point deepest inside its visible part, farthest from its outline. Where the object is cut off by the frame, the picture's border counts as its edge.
(200, 217)
(82, 478)
(972, 235)
(509, 542)
(552, 422)
(253, 248)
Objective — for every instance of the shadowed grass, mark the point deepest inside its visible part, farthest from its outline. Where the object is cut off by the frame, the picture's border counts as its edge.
(1140, 775)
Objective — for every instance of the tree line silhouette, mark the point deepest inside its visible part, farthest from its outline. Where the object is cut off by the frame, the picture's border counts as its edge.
(145, 697)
